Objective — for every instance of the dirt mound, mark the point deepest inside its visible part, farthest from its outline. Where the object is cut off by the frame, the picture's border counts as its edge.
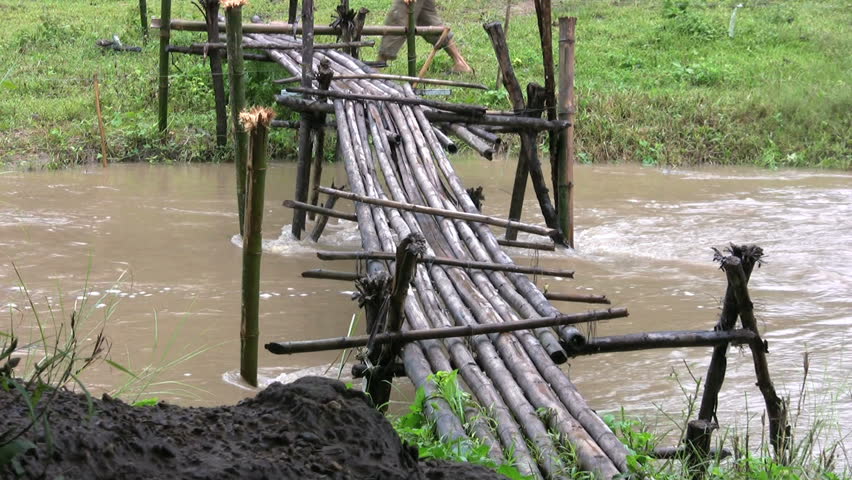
(311, 428)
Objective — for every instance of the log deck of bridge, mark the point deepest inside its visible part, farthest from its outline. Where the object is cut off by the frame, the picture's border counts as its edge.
(471, 308)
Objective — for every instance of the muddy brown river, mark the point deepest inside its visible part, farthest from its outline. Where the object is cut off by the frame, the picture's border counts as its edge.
(150, 251)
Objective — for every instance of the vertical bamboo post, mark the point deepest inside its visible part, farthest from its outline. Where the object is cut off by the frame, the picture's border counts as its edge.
(408, 252)
(143, 17)
(545, 32)
(292, 11)
(100, 122)
(303, 172)
(776, 409)
(566, 111)
(322, 220)
(163, 94)
(360, 20)
(236, 71)
(506, 31)
(324, 77)
(410, 34)
(211, 17)
(256, 122)
(697, 442)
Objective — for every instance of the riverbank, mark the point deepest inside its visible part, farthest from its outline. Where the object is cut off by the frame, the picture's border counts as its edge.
(659, 82)
(311, 428)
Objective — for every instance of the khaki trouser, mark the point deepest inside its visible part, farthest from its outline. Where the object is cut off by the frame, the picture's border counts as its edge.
(425, 14)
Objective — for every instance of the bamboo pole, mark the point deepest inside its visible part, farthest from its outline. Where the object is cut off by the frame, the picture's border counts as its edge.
(465, 109)
(428, 63)
(472, 217)
(211, 17)
(406, 78)
(256, 122)
(697, 447)
(292, 11)
(549, 247)
(667, 339)
(544, 17)
(519, 124)
(303, 172)
(322, 221)
(567, 107)
(163, 93)
(324, 77)
(446, 141)
(360, 20)
(776, 409)
(506, 20)
(290, 28)
(535, 100)
(211, 45)
(100, 115)
(143, 17)
(481, 146)
(411, 44)
(236, 75)
(338, 343)
(257, 57)
(575, 297)
(453, 262)
(320, 210)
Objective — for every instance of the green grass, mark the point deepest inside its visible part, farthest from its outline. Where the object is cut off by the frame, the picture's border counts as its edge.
(658, 81)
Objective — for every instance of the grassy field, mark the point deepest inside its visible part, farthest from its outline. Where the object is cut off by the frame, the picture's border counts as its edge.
(659, 81)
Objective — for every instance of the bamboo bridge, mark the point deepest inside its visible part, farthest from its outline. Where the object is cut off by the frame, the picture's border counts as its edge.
(471, 308)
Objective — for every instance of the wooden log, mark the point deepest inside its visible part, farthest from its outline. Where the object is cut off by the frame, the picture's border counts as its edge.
(290, 29)
(324, 77)
(471, 217)
(776, 409)
(481, 146)
(567, 106)
(549, 247)
(529, 148)
(453, 262)
(256, 122)
(544, 17)
(672, 453)
(303, 171)
(295, 124)
(338, 343)
(360, 20)
(236, 77)
(749, 255)
(163, 92)
(699, 433)
(440, 44)
(380, 379)
(406, 78)
(666, 339)
(257, 57)
(506, 21)
(331, 275)
(516, 123)
(410, 35)
(446, 141)
(322, 220)
(213, 46)
(473, 110)
(486, 135)
(211, 18)
(535, 100)
(320, 210)
(576, 297)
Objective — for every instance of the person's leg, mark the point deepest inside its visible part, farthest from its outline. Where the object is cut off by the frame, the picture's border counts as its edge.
(429, 16)
(390, 45)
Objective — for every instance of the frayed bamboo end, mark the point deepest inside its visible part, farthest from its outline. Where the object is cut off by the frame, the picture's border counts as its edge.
(232, 3)
(256, 116)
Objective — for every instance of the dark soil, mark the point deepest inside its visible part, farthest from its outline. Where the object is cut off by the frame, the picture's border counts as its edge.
(311, 428)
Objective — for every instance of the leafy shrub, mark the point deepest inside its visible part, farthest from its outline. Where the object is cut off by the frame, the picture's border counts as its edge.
(683, 18)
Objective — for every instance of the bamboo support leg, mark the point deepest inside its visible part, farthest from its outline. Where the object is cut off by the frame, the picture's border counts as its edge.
(163, 94)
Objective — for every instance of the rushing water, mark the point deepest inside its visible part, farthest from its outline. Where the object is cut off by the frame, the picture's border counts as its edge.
(152, 250)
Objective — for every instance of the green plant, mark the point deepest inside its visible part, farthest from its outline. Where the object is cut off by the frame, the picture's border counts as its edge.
(416, 429)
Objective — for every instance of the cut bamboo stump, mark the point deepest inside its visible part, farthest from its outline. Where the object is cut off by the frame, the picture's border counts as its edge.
(257, 123)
